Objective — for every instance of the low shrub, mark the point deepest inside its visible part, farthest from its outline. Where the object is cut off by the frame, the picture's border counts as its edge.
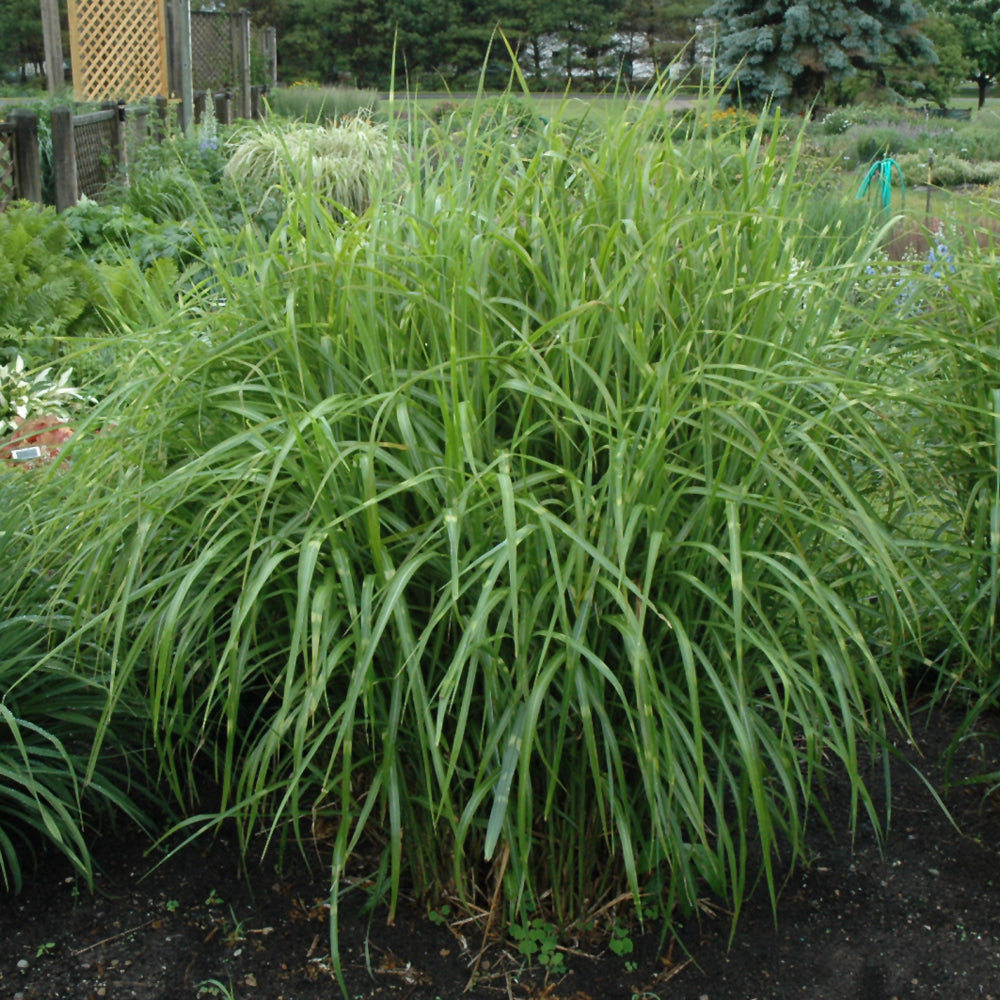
(949, 170)
(972, 142)
(856, 136)
(105, 231)
(871, 114)
(837, 121)
(867, 143)
(181, 180)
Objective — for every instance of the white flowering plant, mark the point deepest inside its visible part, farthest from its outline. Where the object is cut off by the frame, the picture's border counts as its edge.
(207, 130)
(23, 394)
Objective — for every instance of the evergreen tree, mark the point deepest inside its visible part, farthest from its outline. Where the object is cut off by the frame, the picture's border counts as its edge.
(788, 50)
(542, 20)
(585, 33)
(473, 34)
(658, 30)
(422, 32)
(21, 40)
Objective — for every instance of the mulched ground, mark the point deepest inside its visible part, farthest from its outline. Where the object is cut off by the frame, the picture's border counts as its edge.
(919, 919)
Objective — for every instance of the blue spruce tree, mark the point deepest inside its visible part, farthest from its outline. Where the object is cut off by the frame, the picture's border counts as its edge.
(788, 50)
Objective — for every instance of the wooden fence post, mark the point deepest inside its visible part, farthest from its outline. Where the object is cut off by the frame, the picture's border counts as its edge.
(52, 43)
(117, 149)
(224, 107)
(239, 26)
(180, 61)
(269, 44)
(257, 107)
(160, 121)
(27, 155)
(64, 158)
(137, 129)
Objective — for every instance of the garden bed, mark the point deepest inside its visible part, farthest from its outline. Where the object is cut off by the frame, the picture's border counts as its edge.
(919, 919)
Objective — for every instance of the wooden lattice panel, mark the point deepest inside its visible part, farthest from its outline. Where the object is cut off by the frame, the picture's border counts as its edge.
(8, 182)
(93, 140)
(119, 48)
(211, 51)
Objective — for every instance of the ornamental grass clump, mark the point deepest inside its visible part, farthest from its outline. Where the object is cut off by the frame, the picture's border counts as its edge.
(951, 343)
(531, 530)
(52, 795)
(341, 161)
(56, 787)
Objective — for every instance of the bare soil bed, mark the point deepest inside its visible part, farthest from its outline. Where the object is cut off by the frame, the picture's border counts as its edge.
(917, 918)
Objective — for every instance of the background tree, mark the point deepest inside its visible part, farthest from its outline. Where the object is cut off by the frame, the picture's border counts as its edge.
(978, 26)
(929, 83)
(658, 30)
(325, 40)
(362, 40)
(789, 49)
(934, 83)
(21, 42)
(302, 52)
(421, 31)
(473, 35)
(584, 36)
(541, 20)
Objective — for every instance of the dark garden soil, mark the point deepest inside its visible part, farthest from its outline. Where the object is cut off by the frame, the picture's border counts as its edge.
(920, 918)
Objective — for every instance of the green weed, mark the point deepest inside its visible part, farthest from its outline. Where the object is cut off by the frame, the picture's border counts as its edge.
(538, 941)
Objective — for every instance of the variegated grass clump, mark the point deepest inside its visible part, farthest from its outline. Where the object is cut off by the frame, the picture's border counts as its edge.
(339, 162)
(541, 530)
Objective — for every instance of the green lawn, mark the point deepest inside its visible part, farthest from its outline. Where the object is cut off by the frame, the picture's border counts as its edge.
(594, 107)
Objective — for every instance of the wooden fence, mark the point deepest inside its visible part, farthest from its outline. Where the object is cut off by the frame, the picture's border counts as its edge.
(227, 52)
(91, 150)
